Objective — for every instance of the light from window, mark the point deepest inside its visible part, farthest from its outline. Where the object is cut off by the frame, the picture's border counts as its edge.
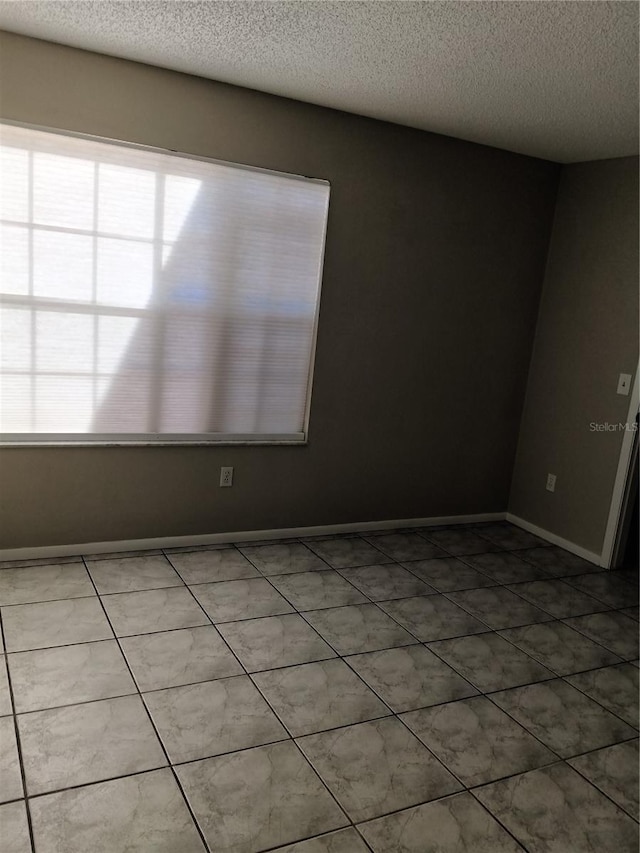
(147, 296)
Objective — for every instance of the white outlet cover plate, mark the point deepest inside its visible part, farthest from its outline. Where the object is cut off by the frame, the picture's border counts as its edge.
(624, 383)
(226, 476)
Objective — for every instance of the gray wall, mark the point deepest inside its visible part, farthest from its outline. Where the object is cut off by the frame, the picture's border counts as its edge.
(587, 335)
(433, 269)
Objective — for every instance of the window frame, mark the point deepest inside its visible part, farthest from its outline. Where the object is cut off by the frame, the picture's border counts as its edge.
(24, 440)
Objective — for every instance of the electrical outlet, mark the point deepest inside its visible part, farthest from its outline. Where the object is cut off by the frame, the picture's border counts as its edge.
(226, 476)
(624, 383)
(551, 482)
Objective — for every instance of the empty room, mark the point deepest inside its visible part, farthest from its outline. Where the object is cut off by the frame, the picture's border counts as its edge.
(319, 426)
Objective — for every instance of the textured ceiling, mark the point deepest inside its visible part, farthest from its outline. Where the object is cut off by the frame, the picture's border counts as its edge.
(552, 79)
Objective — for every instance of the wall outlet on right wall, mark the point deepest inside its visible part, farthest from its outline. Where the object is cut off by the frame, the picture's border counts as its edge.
(624, 383)
(551, 482)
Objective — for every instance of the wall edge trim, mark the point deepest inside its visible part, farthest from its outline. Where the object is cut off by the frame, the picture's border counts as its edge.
(591, 556)
(239, 536)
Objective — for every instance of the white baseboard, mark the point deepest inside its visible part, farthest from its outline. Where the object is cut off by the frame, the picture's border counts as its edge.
(238, 536)
(554, 539)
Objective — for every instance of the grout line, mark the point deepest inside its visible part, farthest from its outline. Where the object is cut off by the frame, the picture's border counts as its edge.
(534, 604)
(598, 642)
(153, 725)
(14, 717)
(47, 708)
(269, 706)
(11, 800)
(548, 665)
(597, 596)
(49, 600)
(62, 790)
(408, 565)
(326, 834)
(566, 678)
(80, 785)
(40, 563)
(600, 748)
(499, 821)
(274, 712)
(564, 762)
(602, 608)
(483, 619)
(337, 657)
(584, 636)
(465, 788)
(438, 800)
(596, 786)
(488, 695)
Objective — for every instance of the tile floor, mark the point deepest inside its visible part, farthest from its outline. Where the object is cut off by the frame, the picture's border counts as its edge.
(461, 689)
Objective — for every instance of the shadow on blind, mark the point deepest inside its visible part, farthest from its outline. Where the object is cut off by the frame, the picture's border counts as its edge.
(149, 295)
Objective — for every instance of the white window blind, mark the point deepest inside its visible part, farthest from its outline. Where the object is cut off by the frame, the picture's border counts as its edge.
(147, 296)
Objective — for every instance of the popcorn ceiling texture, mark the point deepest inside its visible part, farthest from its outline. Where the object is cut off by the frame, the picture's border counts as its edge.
(556, 80)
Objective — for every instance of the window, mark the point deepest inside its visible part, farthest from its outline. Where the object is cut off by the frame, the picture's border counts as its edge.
(148, 296)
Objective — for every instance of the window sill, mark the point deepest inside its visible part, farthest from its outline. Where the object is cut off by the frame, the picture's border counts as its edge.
(221, 442)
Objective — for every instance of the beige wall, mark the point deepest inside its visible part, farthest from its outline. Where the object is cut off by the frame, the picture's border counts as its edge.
(434, 262)
(587, 335)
